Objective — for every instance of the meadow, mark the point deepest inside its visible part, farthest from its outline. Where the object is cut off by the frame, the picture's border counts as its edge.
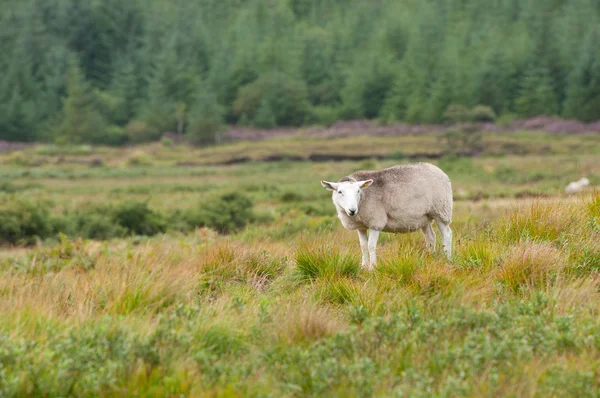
(163, 270)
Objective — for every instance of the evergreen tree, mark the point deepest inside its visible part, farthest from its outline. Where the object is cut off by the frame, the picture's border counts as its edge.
(265, 118)
(206, 118)
(126, 88)
(537, 96)
(583, 93)
(80, 121)
(401, 60)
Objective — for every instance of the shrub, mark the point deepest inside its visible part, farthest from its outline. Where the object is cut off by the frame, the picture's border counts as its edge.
(468, 141)
(139, 219)
(114, 135)
(21, 221)
(505, 120)
(482, 113)
(229, 213)
(167, 142)
(291, 196)
(138, 131)
(457, 114)
(325, 115)
(139, 158)
(92, 222)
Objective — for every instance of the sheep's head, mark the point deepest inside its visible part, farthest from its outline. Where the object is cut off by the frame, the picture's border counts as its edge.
(347, 194)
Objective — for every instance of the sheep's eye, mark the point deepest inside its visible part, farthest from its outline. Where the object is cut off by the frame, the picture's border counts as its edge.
(340, 192)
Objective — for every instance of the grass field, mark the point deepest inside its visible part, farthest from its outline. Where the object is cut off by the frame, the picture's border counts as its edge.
(280, 306)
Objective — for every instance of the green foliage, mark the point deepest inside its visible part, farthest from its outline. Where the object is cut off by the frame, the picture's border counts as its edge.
(274, 97)
(22, 221)
(72, 70)
(139, 219)
(324, 262)
(206, 119)
(93, 222)
(537, 95)
(325, 116)
(583, 90)
(138, 131)
(264, 118)
(80, 121)
(228, 213)
(139, 158)
(482, 113)
(457, 114)
(467, 141)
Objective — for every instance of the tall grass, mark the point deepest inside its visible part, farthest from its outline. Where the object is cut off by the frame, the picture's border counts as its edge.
(514, 314)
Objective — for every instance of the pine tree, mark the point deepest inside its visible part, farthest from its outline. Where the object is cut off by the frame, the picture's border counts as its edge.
(583, 92)
(126, 88)
(537, 95)
(206, 118)
(80, 121)
(265, 118)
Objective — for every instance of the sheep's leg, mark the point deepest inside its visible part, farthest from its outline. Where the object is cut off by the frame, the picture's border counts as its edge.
(446, 237)
(373, 236)
(429, 236)
(364, 247)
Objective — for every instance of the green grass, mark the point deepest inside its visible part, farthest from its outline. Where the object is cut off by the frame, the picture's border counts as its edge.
(282, 307)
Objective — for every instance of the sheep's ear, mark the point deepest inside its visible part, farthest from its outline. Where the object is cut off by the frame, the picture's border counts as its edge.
(365, 184)
(330, 186)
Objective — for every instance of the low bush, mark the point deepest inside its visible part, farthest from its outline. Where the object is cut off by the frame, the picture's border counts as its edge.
(139, 158)
(482, 113)
(22, 221)
(93, 223)
(138, 219)
(457, 114)
(228, 213)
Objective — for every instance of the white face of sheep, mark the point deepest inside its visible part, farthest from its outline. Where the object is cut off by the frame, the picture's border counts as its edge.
(347, 194)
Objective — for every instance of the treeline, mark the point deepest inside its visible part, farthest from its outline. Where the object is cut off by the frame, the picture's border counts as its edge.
(113, 71)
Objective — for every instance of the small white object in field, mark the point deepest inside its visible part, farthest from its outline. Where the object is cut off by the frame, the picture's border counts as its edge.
(577, 186)
(399, 199)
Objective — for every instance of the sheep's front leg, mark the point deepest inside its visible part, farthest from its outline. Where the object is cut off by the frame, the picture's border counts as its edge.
(364, 247)
(373, 236)
(446, 237)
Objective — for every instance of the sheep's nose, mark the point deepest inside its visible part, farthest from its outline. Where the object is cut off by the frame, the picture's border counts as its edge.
(352, 211)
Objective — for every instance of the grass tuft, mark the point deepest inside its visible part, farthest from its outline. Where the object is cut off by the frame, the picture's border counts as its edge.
(325, 262)
(530, 265)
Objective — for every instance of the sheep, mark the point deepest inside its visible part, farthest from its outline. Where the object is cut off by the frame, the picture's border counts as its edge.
(399, 199)
(577, 186)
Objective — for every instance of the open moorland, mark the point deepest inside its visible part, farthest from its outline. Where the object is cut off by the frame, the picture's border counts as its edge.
(164, 270)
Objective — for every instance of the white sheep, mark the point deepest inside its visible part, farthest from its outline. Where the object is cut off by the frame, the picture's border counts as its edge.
(398, 199)
(577, 186)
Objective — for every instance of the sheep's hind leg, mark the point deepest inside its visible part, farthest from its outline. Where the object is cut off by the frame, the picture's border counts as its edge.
(446, 237)
(364, 247)
(373, 236)
(429, 236)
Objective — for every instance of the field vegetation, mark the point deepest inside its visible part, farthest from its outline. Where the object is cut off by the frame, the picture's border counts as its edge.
(180, 275)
